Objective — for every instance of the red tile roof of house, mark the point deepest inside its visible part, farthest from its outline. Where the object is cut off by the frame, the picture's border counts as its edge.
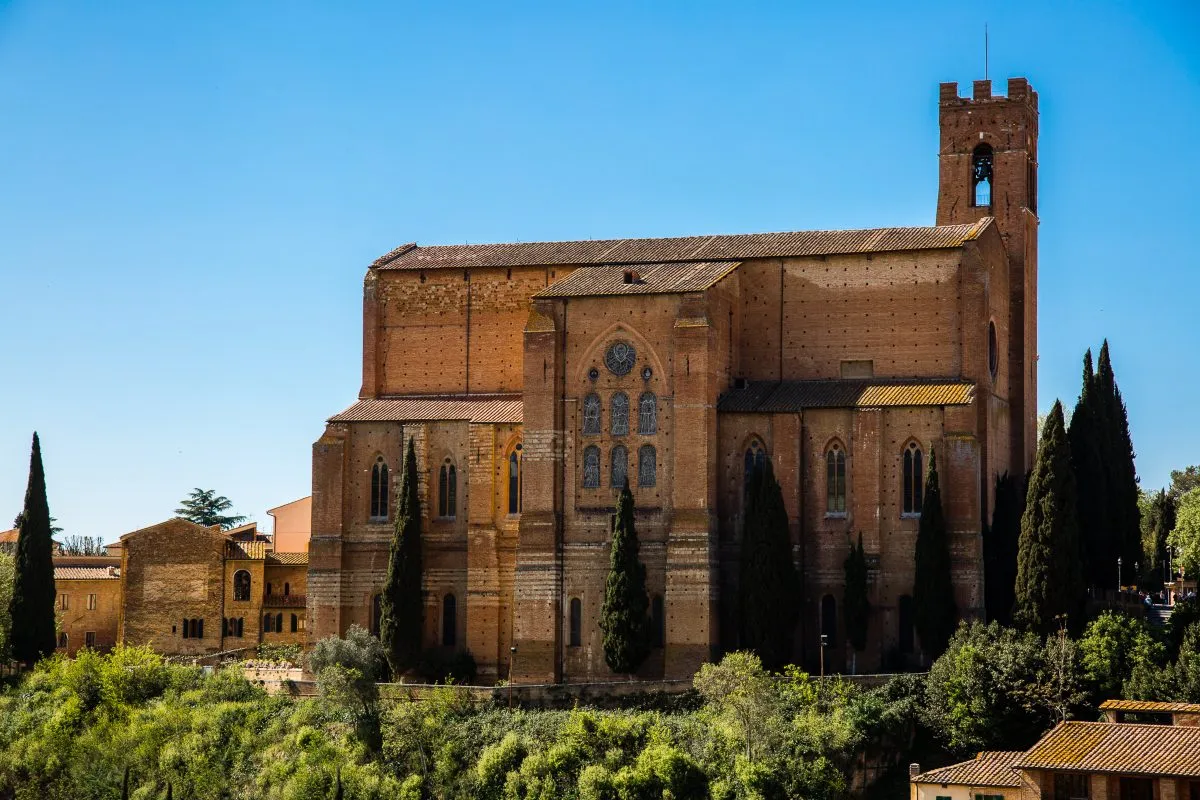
(989, 768)
(1117, 747)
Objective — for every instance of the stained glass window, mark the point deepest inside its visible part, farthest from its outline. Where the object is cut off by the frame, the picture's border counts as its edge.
(647, 465)
(620, 358)
(591, 415)
(647, 414)
(619, 470)
(591, 467)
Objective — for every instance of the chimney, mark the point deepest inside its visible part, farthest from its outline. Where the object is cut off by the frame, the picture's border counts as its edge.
(914, 770)
(631, 276)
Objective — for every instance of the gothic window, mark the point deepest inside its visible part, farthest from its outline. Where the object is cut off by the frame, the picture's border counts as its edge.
(647, 414)
(279, 623)
(620, 414)
(835, 479)
(829, 619)
(449, 620)
(619, 469)
(756, 458)
(576, 626)
(981, 176)
(591, 415)
(447, 490)
(914, 478)
(376, 613)
(905, 638)
(647, 465)
(658, 622)
(268, 623)
(379, 490)
(591, 467)
(620, 358)
(295, 623)
(993, 350)
(514, 481)
(241, 585)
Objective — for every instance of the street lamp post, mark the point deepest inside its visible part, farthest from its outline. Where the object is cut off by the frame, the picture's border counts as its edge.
(824, 642)
(512, 656)
(1118, 577)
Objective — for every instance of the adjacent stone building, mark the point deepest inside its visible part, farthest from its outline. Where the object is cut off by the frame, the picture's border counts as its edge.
(88, 605)
(534, 378)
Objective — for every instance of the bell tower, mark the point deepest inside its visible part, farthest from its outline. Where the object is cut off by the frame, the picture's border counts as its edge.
(988, 168)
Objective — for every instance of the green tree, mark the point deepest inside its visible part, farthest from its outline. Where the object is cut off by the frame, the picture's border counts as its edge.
(347, 672)
(1089, 447)
(206, 507)
(1184, 480)
(768, 586)
(1109, 651)
(1000, 542)
(1121, 481)
(1049, 583)
(624, 616)
(31, 608)
(1185, 536)
(1158, 520)
(856, 606)
(6, 587)
(935, 613)
(400, 604)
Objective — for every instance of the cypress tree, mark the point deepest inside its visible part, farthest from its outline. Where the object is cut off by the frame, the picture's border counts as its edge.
(856, 605)
(935, 613)
(32, 605)
(401, 603)
(1087, 464)
(624, 616)
(1049, 579)
(1123, 514)
(768, 587)
(1000, 542)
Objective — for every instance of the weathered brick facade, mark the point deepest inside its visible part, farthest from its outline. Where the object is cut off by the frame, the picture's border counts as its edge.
(868, 344)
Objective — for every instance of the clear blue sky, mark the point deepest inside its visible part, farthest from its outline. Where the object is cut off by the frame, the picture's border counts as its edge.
(190, 194)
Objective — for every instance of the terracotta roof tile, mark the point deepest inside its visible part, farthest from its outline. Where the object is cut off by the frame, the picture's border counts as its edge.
(475, 408)
(686, 248)
(1149, 705)
(1164, 750)
(9, 537)
(246, 551)
(287, 558)
(989, 768)
(670, 278)
(765, 397)
(91, 573)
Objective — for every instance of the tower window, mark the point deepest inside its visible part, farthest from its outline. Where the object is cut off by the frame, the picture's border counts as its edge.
(756, 458)
(576, 624)
(981, 176)
(447, 490)
(241, 585)
(379, 489)
(914, 479)
(515, 485)
(835, 479)
(591, 467)
(993, 350)
(591, 415)
(619, 468)
(620, 414)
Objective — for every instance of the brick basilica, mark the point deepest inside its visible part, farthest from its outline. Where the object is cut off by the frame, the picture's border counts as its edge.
(534, 377)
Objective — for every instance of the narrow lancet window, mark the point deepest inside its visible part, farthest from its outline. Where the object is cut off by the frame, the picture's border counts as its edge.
(981, 176)
(591, 467)
(620, 414)
(619, 469)
(647, 465)
(591, 415)
(647, 414)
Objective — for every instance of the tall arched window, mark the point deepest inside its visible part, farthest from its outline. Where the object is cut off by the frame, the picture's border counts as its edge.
(620, 414)
(295, 623)
(829, 619)
(835, 479)
(914, 478)
(287, 589)
(514, 481)
(658, 622)
(241, 627)
(647, 465)
(449, 621)
(575, 634)
(904, 640)
(268, 623)
(379, 489)
(241, 585)
(981, 176)
(619, 468)
(447, 490)
(756, 458)
(591, 467)
(591, 415)
(647, 414)
(376, 613)
(279, 622)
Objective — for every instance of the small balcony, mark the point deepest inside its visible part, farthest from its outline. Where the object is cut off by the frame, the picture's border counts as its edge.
(284, 601)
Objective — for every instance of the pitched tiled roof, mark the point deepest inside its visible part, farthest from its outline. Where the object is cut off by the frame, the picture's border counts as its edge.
(243, 551)
(9, 537)
(686, 248)
(989, 768)
(1166, 750)
(420, 408)
(784, 396)
(287, 558)
(90, 573)
(1149, 705)
(671, 278)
